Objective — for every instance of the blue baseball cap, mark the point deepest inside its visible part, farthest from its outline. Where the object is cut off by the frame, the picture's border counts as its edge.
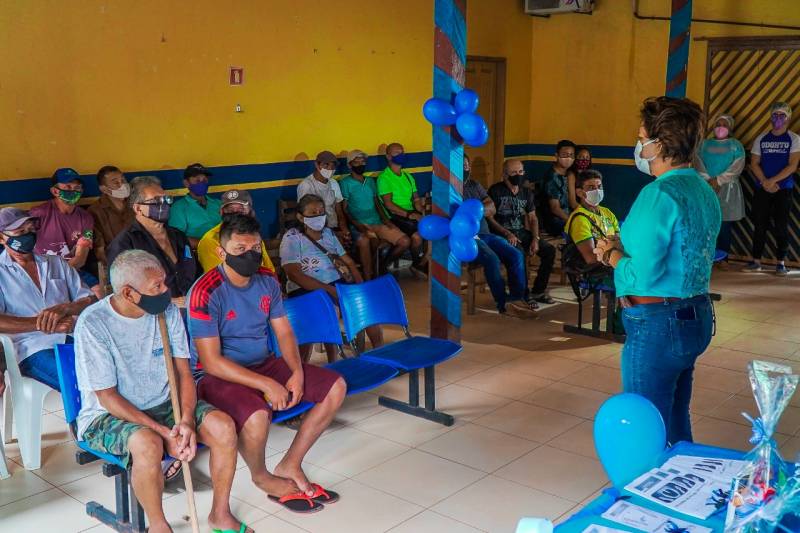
(66, 175)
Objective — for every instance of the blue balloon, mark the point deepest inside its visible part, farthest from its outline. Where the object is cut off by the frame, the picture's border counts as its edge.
(464, 249)
(434, 227)
(472, 129)
(439, 112)
(472, 208)
(463, 225)
(466, 101)
(629, 437)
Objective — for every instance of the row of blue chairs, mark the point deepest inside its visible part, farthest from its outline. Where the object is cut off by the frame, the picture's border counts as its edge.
(314, 320)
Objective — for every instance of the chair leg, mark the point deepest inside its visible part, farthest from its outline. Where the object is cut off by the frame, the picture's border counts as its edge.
(29, 424)
(3, 464)
(8, 417)
(128, 517)
(470, 293)
(428, 412)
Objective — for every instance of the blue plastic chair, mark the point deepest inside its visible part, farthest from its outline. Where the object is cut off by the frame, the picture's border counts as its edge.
(129, 515)
(720, 255)
(313, 319)
(380, 301)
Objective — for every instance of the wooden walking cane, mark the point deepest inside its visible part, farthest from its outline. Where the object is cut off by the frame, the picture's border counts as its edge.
(176, 410)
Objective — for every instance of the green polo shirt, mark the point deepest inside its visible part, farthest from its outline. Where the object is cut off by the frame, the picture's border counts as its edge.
(192, 218)
(360, 199)
(402, 188)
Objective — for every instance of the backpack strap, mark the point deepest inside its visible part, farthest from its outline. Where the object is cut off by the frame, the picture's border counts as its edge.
(587, 217)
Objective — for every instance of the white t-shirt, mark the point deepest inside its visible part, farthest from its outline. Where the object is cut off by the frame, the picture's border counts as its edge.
(115, 351)
(330, 193)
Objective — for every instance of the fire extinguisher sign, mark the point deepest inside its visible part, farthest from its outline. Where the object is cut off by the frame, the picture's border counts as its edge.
(236, 75)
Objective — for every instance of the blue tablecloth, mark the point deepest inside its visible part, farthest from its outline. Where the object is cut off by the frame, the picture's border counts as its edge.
(591, 513)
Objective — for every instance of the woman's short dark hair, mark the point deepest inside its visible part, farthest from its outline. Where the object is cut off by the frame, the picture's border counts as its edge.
(677, 123)
(239, 224)
(586, 175)
(105, 171)
(307, 200)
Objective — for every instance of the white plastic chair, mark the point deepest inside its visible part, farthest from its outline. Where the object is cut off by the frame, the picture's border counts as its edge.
(3, 464)
(25, 402)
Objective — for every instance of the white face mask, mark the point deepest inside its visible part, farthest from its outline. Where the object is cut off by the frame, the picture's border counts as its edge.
(643, 164)
(123, 192)
(326, 173)
(315, 223)
(593, 198)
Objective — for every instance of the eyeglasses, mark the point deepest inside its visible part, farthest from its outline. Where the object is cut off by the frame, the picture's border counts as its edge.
(158, 200)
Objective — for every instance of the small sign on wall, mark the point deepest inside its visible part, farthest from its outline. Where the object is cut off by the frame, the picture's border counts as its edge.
(236, 75)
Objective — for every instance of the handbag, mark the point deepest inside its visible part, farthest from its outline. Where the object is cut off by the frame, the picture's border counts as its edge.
(341, 267)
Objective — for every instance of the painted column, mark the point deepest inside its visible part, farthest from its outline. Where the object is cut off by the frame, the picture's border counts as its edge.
(449, 58)
(679, 28)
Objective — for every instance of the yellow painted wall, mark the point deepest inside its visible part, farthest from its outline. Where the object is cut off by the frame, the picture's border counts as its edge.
(144, 84)
(590, 73)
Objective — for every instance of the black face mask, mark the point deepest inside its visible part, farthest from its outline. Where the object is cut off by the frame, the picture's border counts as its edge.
(245, 264)
(516, 179)
(154, 305)
(358, 169)
(22, 244)
(466, 175)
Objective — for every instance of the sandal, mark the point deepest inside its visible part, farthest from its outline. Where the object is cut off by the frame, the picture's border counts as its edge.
(324, 496)
(298, 502)
(170, 467)
(545, 299)
(242, 529)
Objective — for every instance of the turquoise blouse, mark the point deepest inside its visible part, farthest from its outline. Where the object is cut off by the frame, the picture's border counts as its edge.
(669, 238)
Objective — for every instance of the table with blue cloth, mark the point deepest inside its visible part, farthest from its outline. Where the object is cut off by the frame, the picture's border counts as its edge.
(591, 513)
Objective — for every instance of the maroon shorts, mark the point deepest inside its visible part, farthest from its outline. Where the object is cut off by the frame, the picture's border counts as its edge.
(240, 401)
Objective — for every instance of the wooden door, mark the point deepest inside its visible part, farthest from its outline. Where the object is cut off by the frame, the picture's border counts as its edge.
(486, 76)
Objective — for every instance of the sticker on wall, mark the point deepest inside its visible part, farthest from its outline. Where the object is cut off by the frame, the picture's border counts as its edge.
(236, 75)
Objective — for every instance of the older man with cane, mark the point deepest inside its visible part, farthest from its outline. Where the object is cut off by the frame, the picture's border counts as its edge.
(125, 346)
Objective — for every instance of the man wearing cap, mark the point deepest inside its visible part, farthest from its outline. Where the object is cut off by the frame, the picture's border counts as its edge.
(111, 213)
(368, 220)
(64, 228)
(398, 193)
(774, 159)
(322, 183)
(40, 296)
(233, 202)
(195, 213)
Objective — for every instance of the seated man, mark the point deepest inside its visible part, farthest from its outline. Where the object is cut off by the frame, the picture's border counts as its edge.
(492, 250)
(233, 202)
(111, 213)
(369, 220)
(40, 295)
(590, 222)
(398, 193)
(515, 219)
(126, 408)
(197, 212)
(64, 228)
(322, 183)
(556, 188)
(150, 232)
(233, 311)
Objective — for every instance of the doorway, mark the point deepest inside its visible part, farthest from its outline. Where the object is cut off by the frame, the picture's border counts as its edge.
(487, 77)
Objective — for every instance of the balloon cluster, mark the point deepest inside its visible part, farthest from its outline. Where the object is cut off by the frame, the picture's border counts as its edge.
(460, 230)
(462, 112)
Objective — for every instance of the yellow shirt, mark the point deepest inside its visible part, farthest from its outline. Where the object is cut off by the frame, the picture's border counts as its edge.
(207, 251)
(580, 229)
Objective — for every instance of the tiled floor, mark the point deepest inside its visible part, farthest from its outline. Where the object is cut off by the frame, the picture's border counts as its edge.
(524, 395)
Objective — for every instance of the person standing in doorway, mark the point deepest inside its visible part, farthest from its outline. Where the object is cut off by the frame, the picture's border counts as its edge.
(773, 162)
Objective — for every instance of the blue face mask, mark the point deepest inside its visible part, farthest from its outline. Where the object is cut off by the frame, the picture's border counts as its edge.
(642, 163)
(22, 244)
(399, 159)
(199, 189)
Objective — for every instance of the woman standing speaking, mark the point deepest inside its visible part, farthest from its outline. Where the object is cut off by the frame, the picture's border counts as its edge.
(662, 263)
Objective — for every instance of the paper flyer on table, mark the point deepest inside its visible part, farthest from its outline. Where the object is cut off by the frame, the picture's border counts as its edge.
(648, 520)
(594, 528)
(724, 469)
(682, 490)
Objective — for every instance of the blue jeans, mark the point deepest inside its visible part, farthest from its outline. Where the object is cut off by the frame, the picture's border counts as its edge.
(663, 341)
(492, 250)
(41, 366)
